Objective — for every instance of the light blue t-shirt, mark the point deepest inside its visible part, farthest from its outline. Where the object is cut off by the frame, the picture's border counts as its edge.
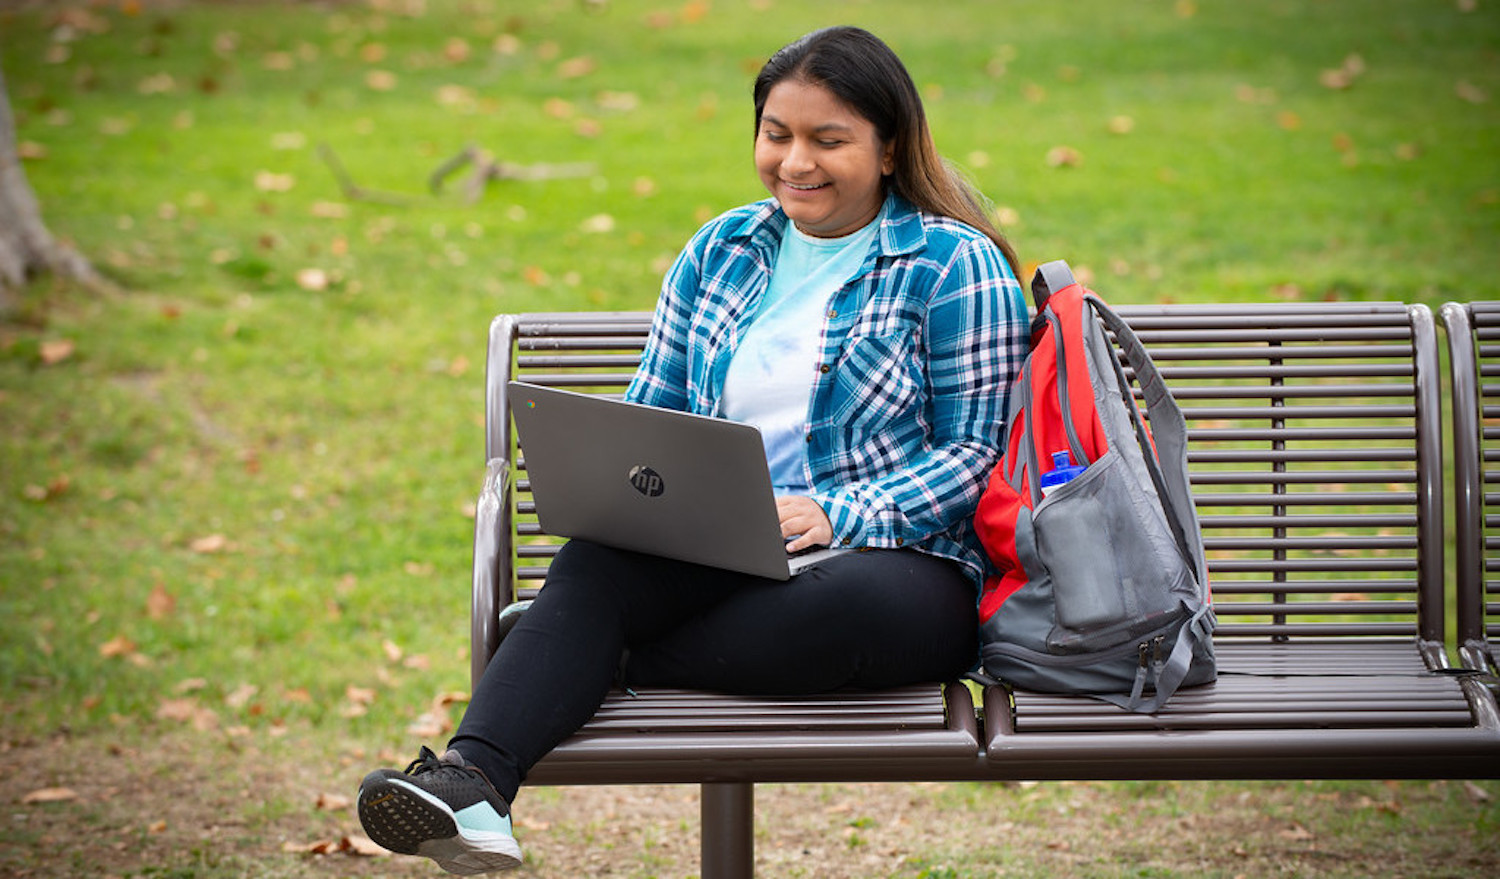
(770, 378)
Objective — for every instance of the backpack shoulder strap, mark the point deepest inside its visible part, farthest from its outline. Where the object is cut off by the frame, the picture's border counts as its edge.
(1049, 278)
(1168, 431)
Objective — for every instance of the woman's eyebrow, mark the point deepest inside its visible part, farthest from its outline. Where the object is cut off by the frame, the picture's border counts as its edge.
(827, 126)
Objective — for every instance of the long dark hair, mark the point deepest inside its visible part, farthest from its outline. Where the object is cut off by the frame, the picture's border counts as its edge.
(863, 72)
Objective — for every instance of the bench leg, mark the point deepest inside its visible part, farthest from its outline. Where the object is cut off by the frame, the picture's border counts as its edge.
(728, 811)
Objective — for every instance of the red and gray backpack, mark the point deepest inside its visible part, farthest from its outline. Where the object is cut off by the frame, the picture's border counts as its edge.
(1100, 585)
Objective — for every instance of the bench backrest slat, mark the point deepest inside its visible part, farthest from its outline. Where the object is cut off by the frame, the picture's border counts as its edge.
(1484, 612)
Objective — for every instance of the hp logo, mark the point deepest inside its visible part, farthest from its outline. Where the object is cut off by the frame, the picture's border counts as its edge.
(646, 481)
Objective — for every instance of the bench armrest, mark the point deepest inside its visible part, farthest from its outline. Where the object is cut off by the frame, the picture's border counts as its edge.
(492, 589)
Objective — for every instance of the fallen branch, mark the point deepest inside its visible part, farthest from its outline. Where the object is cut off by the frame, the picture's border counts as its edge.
(352, 190)
(487, 168)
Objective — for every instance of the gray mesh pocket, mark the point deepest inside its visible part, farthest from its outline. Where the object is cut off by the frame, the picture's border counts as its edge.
(1107, 545)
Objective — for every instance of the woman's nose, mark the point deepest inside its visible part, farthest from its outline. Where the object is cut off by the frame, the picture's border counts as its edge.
(798, 157)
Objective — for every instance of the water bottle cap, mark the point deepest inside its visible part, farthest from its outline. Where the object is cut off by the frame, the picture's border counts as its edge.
(1062, 471)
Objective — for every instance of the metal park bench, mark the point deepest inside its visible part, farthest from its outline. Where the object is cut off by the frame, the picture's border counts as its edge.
(1315, 451)
(1473, 332)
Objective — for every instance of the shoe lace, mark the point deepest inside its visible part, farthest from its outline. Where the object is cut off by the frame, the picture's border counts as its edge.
(427, 761)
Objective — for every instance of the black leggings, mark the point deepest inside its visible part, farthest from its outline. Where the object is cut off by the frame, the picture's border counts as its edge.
(873, 619)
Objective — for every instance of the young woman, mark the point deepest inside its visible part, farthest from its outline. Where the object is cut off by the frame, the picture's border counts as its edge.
(868, 320)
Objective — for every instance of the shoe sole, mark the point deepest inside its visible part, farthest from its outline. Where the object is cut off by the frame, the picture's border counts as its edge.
(408, 820)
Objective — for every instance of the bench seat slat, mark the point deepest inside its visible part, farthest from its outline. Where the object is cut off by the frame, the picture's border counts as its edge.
(1311, 684)
(1282, 720)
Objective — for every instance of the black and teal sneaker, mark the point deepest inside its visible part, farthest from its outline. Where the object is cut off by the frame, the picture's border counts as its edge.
(442, 809)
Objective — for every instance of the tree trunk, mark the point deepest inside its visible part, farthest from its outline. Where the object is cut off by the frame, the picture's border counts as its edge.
(27, 249)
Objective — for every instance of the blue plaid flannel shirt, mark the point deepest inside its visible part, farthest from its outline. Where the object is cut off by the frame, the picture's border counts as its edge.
(919, 352)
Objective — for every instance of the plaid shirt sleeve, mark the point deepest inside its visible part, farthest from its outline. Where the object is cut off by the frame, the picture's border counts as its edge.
(917, 478)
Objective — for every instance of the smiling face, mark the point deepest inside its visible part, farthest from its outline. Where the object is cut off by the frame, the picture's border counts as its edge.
(820, 159)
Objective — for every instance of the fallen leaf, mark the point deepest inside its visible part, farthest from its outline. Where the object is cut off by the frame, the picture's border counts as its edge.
(117, 646)
(1337, 79)
(380, 80)
(1064, 157)
(321, 847)
(1389, 806)
(181, 710)
(55, 351)
(360, 695)
(160, 603)
(267, 181)
(241, 695)
(429, 726)
(1121, 125)
(157, 84)
(393, 651)
(50, 795)
(312, 279)
(157, 827)
(1470, 92)
(622, 102)
(30, 150)
(362, 846)
(42, 493)
(329, 210)
(456, 50)
(451, 697)
(1296, 833)
(574, 68)
(1476, 793)
(333, 802)
(1343, 76)
(211, 544)
(598, 224)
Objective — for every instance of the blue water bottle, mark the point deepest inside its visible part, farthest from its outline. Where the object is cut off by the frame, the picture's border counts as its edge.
(1062, 472)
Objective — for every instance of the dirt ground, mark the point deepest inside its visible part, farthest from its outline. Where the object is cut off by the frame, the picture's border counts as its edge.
(184, 805)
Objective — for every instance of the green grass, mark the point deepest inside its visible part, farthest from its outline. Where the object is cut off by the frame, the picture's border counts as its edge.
(247, 494)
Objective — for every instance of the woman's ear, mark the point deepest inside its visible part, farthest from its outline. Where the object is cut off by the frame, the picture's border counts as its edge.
(888, 159)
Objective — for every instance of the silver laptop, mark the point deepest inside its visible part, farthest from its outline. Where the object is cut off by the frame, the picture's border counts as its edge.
(637, 477)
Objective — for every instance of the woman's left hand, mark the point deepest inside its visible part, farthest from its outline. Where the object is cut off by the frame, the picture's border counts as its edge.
(805, 517)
